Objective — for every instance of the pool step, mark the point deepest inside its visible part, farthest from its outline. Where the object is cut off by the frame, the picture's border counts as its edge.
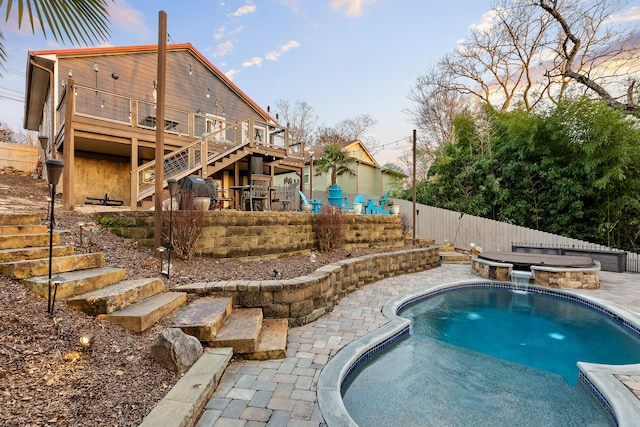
(115, 297)
(20, 254)
(25, 269)
(75, 282)
(204, 317)
(240, 331)
(142, 315)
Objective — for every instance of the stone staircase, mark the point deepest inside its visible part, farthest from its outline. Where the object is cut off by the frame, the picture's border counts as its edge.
(213, 320)
(89, 286)
(453, 257)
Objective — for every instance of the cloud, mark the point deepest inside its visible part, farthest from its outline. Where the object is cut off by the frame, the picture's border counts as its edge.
(291, 4)
(129, 20)
(219, 33)
(223, 49)
(245, 10)
(354, 8)
(232, 72)
(255, 61)
(275, 54)
(631, 15)
(487, 21)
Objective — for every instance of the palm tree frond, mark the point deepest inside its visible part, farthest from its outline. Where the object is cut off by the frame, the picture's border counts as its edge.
(79, 21)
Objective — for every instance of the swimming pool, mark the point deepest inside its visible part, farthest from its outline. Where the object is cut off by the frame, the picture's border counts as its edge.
(467, 385)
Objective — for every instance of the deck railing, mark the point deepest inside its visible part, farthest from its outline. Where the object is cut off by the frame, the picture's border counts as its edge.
(216, 136)
(188, 159)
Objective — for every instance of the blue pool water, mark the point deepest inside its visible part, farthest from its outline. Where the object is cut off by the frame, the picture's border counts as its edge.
(489, 356)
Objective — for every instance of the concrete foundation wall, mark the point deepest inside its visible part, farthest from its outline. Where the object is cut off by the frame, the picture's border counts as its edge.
(95, 177)
(21, 157)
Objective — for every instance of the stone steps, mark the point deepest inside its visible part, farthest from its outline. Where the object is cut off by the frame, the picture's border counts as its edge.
(19, 219)
(142, 315)
(240, 331)
(453, 257)
(13, 241)
(23, 229)
(90, 287)
(74, 283)
(20, 254)
(204, 317)
(115, 297)
(213, 320)
(39, 267)
(272, 343)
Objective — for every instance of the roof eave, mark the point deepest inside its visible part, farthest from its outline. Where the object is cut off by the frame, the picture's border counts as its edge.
(37, 86)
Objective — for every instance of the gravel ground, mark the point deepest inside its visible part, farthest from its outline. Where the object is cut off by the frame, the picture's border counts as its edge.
(45, 376)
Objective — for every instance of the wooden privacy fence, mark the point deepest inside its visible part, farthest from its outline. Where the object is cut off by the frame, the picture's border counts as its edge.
(462, 230)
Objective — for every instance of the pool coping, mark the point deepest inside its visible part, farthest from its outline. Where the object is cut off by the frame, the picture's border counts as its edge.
(600, 379)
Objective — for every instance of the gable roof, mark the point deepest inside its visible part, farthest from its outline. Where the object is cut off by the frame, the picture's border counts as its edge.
(351, 146)
(40, 64)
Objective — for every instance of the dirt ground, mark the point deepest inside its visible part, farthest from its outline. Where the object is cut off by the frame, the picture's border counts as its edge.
(45, 376)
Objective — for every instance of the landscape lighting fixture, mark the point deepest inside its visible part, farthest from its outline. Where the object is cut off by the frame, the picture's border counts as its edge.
(44, 143)
(161, 250)
(54, 170)
(86, 340)
(81, 224)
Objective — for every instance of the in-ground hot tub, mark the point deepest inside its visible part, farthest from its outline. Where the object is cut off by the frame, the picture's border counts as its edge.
(556, 271)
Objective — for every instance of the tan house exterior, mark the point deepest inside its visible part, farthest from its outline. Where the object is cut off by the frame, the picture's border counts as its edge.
(369, 177)
(99, 104)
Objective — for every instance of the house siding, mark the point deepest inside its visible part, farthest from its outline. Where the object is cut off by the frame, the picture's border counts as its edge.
(138, 70)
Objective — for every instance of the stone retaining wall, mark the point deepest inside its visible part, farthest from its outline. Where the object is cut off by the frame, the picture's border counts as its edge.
(304, 299)
(554, 277)
(239, 234)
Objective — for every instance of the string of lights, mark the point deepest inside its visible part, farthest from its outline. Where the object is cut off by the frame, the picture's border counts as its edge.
(395, 143)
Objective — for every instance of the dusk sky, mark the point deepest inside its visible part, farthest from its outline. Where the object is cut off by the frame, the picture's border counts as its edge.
(343, 57)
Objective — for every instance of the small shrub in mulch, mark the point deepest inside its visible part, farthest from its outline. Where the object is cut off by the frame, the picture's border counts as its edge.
(330, 229)
(186, 228)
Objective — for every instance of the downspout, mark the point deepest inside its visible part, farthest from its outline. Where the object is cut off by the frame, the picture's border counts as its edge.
(52, 117)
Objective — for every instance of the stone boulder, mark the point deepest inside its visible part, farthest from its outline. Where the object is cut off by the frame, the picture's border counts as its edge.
(176, 350)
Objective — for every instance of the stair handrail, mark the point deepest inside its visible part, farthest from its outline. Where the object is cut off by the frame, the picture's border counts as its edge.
(183, 161)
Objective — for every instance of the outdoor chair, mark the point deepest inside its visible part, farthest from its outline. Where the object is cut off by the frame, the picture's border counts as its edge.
(348, 207)
(316, 205)
(284, 196)
(376, 205)
(217, 195)
(258, 191)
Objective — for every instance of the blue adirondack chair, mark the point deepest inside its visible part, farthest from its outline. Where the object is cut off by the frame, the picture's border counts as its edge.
(316, 205)
(348, 207)
(377, 205)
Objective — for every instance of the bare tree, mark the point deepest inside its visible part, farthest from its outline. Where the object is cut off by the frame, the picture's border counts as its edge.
(349, 130)
(300, 119)
(435, 106)
(600, 57)
(496, 62)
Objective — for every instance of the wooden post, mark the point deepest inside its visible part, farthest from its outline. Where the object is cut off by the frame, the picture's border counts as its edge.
(68, 173)
(159, 166)
(414, 187)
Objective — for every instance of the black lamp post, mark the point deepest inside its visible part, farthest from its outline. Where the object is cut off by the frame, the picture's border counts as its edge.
(54, 169)
(173, 190)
